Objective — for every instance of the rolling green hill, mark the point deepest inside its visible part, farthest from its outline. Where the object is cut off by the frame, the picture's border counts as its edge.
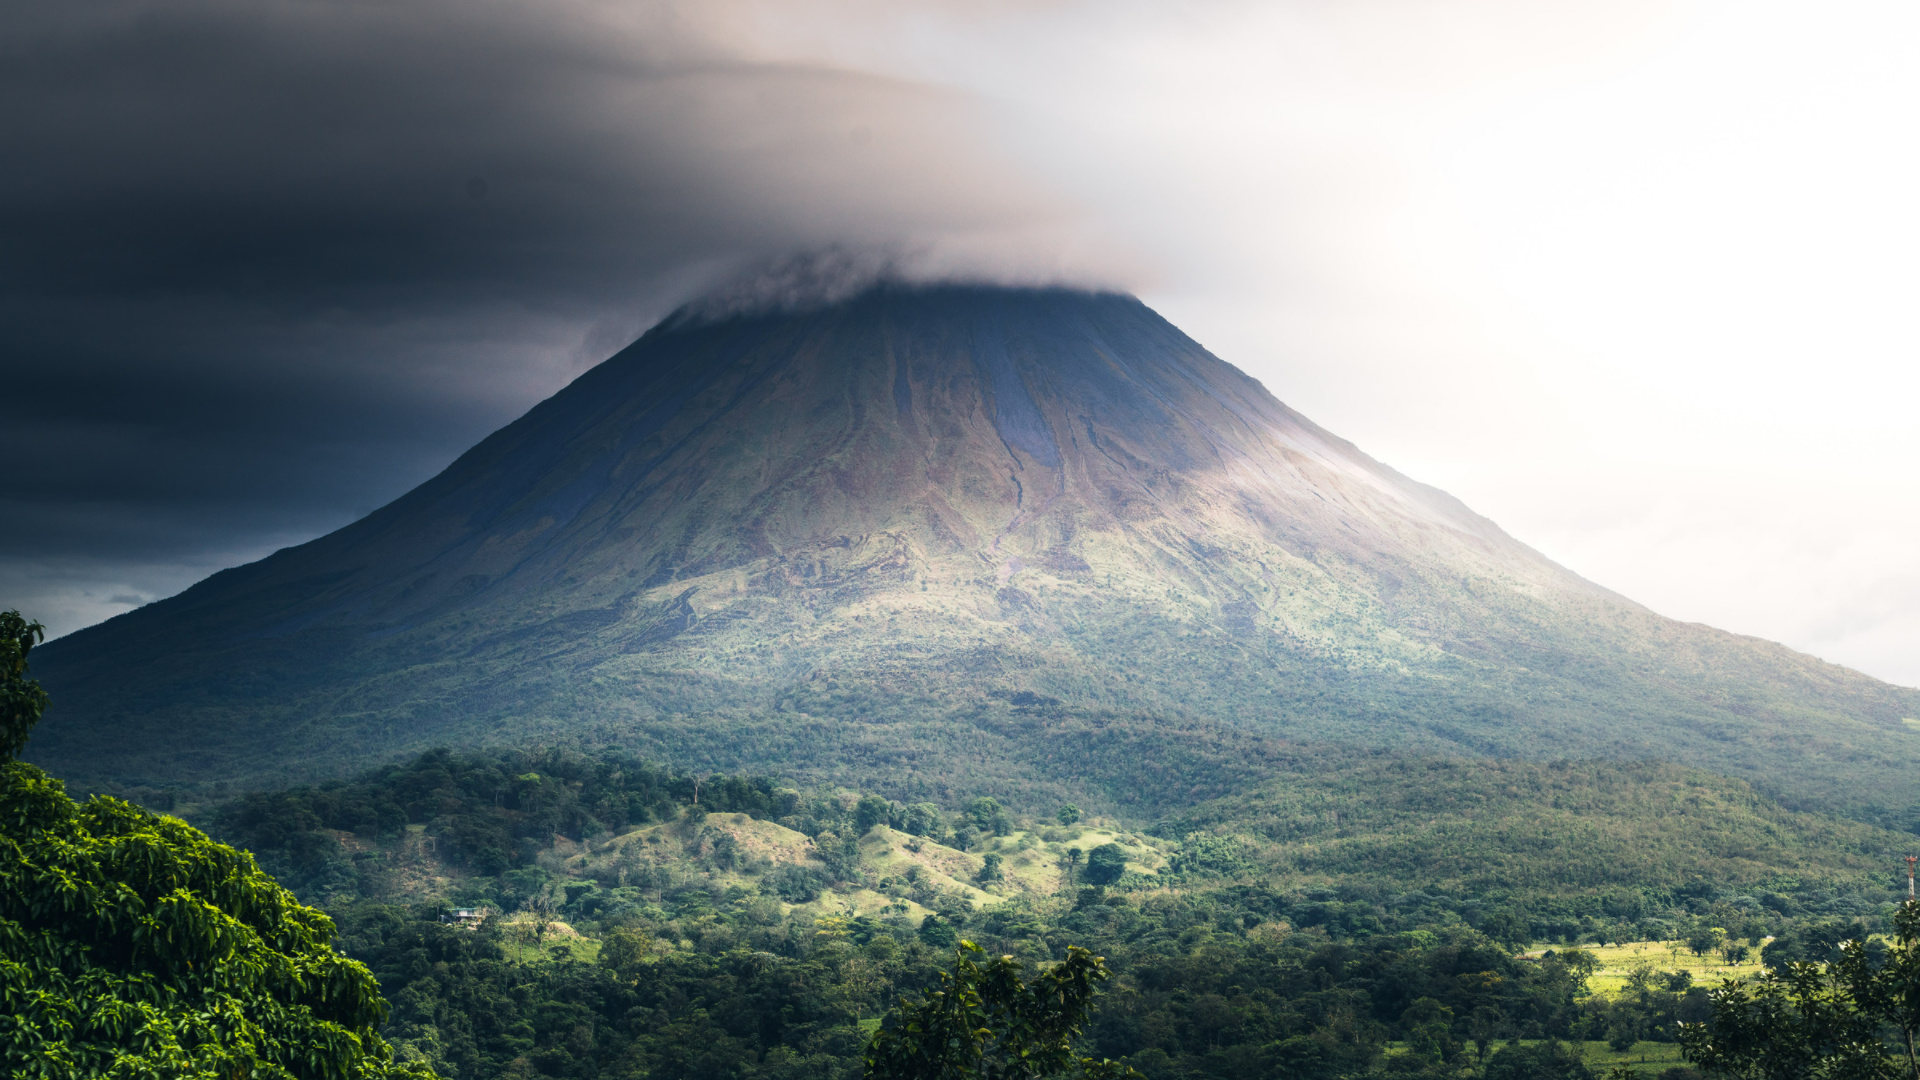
(1357, 917)
(1615, 844)
(930, 532)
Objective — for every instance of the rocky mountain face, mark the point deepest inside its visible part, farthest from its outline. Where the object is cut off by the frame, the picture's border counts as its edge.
(933, 529)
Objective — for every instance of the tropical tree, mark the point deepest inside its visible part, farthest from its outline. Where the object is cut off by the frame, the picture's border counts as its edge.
(131, 945)
(624, 950)
(21, 699)
(986, 815)
(1106, 864)
(1705, 940)
(1579, 963)
(983, 1020)
(870, 811)
(938, 932)
(920, 819)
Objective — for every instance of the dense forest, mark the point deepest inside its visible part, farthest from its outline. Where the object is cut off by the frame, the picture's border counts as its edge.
(1559, 829)
(1212, 987)
(642, 921)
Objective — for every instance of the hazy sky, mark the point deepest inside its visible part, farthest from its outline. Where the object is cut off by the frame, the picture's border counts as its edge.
(1636, 279)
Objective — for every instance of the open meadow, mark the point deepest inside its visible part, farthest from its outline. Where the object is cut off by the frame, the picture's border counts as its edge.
(1618, 962)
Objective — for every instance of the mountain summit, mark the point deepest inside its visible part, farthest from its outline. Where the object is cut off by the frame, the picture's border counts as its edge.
(924, 523)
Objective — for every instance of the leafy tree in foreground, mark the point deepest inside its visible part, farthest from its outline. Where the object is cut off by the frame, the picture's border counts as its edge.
(131, 945)
(21, 699)
(983, 1021)
(1858, 1016)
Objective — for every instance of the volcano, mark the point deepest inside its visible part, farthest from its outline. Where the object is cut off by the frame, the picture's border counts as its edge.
(928, 526)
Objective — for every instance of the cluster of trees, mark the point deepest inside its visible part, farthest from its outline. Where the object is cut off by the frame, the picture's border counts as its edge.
(751, 997)
(1206, 986)
(990, 1019)
(741, 992)
(1856, 1015)
(1231, 978)
(491, 816)
(488, 812)
(1606, 842)
(1652, 1008)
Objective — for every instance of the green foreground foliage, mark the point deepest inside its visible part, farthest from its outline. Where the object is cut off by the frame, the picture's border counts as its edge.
(984, 1021)
(1854, 1018)
(131, 945)
(22, 700)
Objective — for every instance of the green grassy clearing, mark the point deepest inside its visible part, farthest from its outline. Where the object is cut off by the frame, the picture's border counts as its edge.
(1643, 1058)
(1618, 961)
(524, 945)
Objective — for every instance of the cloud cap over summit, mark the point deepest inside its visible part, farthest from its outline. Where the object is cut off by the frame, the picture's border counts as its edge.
(267, 265)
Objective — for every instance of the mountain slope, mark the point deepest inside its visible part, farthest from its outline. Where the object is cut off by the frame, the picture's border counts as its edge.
(879, 536)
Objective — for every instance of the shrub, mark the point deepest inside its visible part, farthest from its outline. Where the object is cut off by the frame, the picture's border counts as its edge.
(794, 884)
(989, 868)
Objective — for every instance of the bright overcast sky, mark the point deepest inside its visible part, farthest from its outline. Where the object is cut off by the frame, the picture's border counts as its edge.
(1652, 308)
(1637, 281)
(1634, 279)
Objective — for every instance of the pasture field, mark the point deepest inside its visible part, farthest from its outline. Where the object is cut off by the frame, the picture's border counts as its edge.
(1648, 1059)
(1643, 1059)
(1618, 961)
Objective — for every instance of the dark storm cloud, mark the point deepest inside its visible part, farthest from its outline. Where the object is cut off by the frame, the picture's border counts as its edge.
(266, 264)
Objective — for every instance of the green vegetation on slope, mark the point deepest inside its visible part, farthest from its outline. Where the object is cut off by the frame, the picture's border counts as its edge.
(988, 1019)
(1571, 829)
(508, 828)
(1575, 850)
(762, 933)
